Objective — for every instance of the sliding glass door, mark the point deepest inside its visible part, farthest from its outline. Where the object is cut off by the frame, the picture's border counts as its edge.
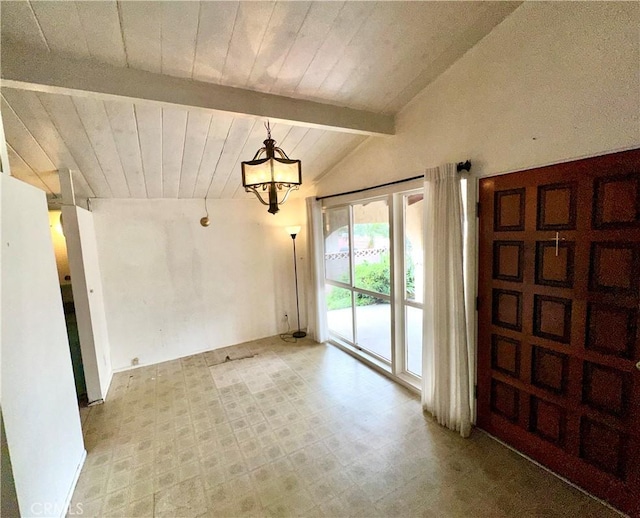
(372, 275)
(358, 276)
(373, 263)
(337, 246)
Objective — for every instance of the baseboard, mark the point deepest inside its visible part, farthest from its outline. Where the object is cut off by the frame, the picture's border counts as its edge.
(76, 476)
(193, 353)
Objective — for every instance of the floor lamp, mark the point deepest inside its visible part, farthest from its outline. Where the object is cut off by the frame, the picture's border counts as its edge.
(293, 232)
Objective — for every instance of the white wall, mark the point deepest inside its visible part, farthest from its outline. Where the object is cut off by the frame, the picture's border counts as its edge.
(88, 298)
(553, 82)
(8, 497)
(39, 404)
(174, 288)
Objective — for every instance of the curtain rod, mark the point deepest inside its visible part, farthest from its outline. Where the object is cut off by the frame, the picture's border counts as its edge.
(460, 166)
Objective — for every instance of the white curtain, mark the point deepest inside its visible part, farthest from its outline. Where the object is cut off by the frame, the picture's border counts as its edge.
(445, 353)
(317, 311)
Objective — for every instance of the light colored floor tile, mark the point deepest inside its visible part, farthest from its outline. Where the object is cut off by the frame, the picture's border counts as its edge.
(143, 508)
(294, 430)
(186, 500)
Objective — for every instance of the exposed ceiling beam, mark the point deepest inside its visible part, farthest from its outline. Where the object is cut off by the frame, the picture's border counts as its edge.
(31, 69)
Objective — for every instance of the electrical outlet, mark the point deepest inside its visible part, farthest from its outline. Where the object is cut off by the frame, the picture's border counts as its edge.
(135, 361)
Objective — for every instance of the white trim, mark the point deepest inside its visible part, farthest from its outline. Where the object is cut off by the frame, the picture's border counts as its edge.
(360, 352)
(199, 351)
(105, 391)
(402, 346)
(352, 277)
(471, 270)
(375, 366)
(375, 294)
(393, 296)
(337, 284)
(398, 356)
(74, 483)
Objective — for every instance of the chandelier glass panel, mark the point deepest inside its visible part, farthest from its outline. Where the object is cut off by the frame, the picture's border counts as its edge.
(271, 171)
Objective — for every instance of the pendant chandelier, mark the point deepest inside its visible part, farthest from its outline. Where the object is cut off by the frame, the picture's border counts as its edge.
(270, 173)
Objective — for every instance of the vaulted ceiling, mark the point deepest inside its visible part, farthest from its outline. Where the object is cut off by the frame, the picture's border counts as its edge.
(363, 61)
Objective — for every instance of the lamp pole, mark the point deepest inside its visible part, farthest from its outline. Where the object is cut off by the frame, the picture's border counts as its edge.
(299, 333)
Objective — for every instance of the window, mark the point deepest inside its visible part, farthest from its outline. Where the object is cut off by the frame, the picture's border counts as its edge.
(412, 299)
(373, 276)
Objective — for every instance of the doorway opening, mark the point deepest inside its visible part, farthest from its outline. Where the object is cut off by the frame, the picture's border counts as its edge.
(64, 277)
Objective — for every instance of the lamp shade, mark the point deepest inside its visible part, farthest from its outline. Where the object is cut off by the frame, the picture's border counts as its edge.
(294, 231)
(271, 169)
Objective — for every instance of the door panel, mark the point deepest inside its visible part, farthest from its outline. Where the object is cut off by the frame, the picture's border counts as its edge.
(559, 302)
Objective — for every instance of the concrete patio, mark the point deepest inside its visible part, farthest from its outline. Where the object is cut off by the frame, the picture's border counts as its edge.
(374, 330)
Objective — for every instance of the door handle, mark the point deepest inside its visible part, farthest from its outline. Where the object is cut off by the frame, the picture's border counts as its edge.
(638, 366)
(557, 240)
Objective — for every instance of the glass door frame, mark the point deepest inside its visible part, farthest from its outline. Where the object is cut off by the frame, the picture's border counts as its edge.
(396, 368)
(396, 229)
(400, 298)
(339, 284)
(353, 346)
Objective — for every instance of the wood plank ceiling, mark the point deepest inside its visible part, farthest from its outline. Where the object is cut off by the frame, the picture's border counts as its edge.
(372, 56)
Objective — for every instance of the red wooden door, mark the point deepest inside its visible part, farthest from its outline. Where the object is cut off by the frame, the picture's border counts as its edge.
(559, 308)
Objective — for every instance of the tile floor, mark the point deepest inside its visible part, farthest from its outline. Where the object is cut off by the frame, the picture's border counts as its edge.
(294, 430)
